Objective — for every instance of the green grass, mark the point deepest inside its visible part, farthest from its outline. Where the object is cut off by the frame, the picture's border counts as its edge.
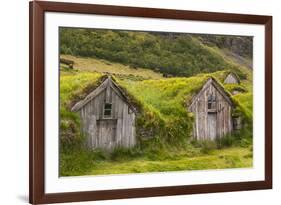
(104, 66)
(163, 126)
(73, 87)
(246, 103)
(164, 102)
(235, 157)
(73, 84)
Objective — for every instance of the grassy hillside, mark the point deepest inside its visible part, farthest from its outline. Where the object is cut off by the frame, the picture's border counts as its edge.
(163, 124)
(169, 53)
(166, 101)
(163, 102)
(104, 66)
(239, 45)
(137, 62)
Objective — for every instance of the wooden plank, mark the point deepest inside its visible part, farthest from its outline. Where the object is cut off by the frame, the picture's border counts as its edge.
(119, 132)
(133, 129)
(113, 104)
(94, 132)
(219, 88)
(108, 92)
(231, 79)
(212, 126)
(102, 133)
(202, 128)
(91, 131)
(197, 120)
(125, 136)
(89, 97)
(121, 94)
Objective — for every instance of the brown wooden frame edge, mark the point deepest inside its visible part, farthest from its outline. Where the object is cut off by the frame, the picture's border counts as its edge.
(37, 194)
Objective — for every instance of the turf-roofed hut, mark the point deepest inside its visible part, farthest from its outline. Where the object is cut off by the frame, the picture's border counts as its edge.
(231, 78)
(212, 107)
(107, 117)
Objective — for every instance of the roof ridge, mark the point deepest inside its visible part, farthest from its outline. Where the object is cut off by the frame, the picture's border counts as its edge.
(107, 81)
(218, 86)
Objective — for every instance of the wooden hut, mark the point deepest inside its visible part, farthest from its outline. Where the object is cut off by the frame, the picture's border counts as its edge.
(107, 117)
(231, 78)
(212, 108)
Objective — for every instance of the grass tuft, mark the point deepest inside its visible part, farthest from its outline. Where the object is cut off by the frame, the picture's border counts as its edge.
(163, 127)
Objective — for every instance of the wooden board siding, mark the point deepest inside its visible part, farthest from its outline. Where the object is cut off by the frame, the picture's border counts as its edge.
(211, 123)
(231, 79)
(118, 130)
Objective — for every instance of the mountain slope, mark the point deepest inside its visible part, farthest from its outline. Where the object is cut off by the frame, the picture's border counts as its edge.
(104, 66)
(168, 53)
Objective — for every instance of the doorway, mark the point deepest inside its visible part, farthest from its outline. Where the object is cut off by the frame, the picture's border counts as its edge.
(107, 133)
(212, 125)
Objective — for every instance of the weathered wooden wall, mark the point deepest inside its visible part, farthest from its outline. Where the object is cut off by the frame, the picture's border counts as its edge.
(231, 79)
(108, 133)
(211, 123)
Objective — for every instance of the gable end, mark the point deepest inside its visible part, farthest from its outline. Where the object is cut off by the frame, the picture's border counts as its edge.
(108, 82)
(219, 88)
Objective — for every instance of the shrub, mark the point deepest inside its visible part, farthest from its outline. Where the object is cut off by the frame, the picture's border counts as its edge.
(122, 153)
(245, 142)
(99, 154)
(244, 137)
(163, 119)
(75, 161)
(225, 141)
(184, 53)
(206, 146)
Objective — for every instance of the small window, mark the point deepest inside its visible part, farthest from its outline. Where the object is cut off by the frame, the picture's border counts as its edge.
(107, 110)
(211, 102)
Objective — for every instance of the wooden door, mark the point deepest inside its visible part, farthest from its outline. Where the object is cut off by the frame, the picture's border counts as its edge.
(107, 133)
(212, 126)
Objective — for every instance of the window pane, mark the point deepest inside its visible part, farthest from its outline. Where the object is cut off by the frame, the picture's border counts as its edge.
(107, 109)
(107, 112)
(107, 106)
(209, 105)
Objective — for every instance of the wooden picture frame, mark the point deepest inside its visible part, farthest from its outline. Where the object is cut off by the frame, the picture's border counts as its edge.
(37, 10)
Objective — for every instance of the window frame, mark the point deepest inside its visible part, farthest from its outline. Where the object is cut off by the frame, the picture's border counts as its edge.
(212, 102)
(107, 109)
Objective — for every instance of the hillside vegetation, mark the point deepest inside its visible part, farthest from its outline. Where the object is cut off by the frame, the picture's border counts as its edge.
(169, 53)
(137, 62)
(163, 124)
(104, 66)
(99, 164)
(240, 45)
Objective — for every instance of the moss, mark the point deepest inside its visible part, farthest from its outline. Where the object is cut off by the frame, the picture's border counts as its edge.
(235, 87)
(162, 104)
(73, 87)
(163, 124)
